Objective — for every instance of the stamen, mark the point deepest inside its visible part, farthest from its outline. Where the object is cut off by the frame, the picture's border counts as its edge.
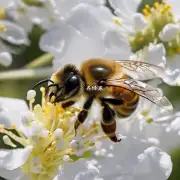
(3, 28)
(156, 4)
(149, 120)
(66, 158)
(2, 13)
(31, 94)
(8, 141)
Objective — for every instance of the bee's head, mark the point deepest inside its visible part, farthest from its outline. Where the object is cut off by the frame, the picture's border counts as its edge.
(64, 84)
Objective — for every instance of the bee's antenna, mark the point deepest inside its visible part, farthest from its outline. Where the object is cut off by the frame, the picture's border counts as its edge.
(41, 82)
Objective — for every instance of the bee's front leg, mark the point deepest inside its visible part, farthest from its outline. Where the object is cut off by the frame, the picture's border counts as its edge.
(67, 104)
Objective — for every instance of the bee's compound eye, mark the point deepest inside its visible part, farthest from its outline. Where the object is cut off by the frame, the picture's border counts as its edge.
(72, 83)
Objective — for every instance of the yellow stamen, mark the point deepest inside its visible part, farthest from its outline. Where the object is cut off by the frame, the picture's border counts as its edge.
(2, 13)
(147, 6)
(149, 120)
(116, 21)
(53, 99)
(1, 126)
(145, 112)
(3, 28)
(178, 49)
(145, 12)
(13, 126)
(156, 4)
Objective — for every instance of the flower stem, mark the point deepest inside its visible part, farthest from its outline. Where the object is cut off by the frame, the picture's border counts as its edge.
(40, 61)
(26, 74)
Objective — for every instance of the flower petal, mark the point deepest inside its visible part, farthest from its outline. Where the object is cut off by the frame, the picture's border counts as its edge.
(143, 162)
(84, 18)
(175, 8)
(169, 32)
(126, 7)
(139, 21)
(155, 54)
(117, 46)
(79, 170)
(15, 158)
(80, 49)
(10, 112)
(55, 40)
(157, 161)
(13, 33)
(5, 59)
(11, 174)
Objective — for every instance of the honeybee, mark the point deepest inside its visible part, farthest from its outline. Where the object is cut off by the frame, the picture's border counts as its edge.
(116, 85)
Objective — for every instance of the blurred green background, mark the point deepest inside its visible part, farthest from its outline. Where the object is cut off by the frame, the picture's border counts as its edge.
(18, 88)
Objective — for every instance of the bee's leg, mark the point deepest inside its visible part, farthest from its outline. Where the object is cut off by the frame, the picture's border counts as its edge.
(108, 122)
(67, 104)
(84, 113)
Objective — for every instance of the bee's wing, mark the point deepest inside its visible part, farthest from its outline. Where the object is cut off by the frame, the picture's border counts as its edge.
(154, 95)
(141, 70)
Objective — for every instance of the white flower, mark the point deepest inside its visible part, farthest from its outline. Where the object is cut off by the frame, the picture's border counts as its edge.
(158, 24)
(12, 33)
(48, 148)
(46, 13)
(77, 39)
(156, 54)
(45, 138)
(154, 124)
(143, 162)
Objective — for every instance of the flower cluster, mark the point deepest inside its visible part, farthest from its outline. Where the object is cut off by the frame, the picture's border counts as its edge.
(39, 141)
(153, 34)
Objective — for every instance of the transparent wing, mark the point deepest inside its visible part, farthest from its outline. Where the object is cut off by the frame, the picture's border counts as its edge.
(154, 95)
(141, 70)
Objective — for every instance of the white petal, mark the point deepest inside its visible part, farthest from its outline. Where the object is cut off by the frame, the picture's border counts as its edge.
(13, 34)
(5, 59)
(175, 7)
(78, 50)
(11, 112)
(117, 46)
(175, 125)
(155, 54)
(55, 41)
(11, 174)
(15, 158)
(139, 21)
(169, 32)
(126, 7)
(133, 159)
(157, 161)
(22, 19)
(84, 18)
(173, 62)
(79, 170)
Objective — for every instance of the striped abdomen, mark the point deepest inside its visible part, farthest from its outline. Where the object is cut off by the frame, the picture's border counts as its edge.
(129, 101)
